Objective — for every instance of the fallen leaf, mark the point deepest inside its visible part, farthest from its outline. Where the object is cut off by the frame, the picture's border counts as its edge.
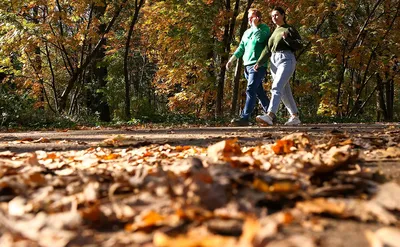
(390, 236)
(276, 187)
(224, 149)
(348, 208)
(192, 240)
(41, 140)
(333, 159)
(300, 140)
(294, 241)
(283, 146)
(251, 227)
(388, 196)
(19, 206)
(6, 154)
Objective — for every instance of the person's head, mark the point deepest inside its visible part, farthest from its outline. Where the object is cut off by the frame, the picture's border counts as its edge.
(254, 13)
(278, 16)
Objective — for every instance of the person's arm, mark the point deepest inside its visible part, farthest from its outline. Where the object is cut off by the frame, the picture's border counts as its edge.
(230, 61)
(237, 54)
(265, 54)
(293, 39)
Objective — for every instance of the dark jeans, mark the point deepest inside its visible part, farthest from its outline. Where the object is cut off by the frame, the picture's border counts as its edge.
(254, 90)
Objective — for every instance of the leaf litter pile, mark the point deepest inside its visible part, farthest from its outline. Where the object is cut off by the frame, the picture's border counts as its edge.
(225, 195)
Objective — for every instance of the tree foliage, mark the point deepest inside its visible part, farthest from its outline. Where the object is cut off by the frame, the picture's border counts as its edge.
(127, 58)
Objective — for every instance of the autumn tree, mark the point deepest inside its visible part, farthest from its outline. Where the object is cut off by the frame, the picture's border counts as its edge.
(125, 58)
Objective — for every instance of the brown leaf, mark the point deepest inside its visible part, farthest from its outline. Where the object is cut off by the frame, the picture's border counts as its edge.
(35, 179)
(333, 159)
(192, 239)
(294, 241)
(392, 152)
(33, 160)
(300, 140)
(241, 161)
(348, 208)
(283, 146)
(276, 187)
(389, 236)
(41, 140)
(346, 142)
(92, 213)
(224, 149)
(48, 230)
(182, 148)
(28, 139)
(151, 219)
(226, 227)
(389, 196)
(112, 156)
(6, 154)
(250, 229)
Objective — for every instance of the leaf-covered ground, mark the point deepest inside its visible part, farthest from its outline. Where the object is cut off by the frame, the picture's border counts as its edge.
(319, 185)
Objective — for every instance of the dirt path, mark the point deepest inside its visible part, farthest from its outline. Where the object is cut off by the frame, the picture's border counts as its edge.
(198, 136)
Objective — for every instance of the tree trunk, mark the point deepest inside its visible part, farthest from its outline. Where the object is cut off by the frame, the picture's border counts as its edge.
(89, 59)
(135, 17)
(381, 97)
(239, 64)
(224, 60)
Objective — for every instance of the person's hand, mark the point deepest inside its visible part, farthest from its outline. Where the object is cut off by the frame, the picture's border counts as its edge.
(255, 21)
(256, 67)
(284, 35)
(228, 64)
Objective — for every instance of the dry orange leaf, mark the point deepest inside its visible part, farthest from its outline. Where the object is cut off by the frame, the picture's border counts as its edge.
(277, 187)
(250, 229)
(51, 156)
(152, 218)
(322, 205)
(346, 142)
(182, 148)
(224, 149)
(301, 140)
(283, 146)
(111, 156)
(149, 219)
(36, 178)
(28, 139)
(92, 213)
(160, 240)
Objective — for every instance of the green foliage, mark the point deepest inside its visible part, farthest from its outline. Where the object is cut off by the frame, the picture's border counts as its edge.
(176, 55)
(19, 111)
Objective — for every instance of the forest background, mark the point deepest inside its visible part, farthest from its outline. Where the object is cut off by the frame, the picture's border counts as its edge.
(137, 61)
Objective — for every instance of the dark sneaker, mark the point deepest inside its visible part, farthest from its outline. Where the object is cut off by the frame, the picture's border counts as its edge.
(240, 122)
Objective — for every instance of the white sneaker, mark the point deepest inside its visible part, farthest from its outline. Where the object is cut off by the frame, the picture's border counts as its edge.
(264, 119)
(293, 121)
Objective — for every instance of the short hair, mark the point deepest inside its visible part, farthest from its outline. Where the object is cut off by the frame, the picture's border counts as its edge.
(256, 11)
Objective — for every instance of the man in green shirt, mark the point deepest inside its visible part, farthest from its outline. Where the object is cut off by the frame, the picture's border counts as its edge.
(250, 48)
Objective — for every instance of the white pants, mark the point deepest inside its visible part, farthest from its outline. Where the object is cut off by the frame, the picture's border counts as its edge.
(282, 65)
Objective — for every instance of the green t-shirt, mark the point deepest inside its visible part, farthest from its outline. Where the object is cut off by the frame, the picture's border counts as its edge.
(252, 44)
